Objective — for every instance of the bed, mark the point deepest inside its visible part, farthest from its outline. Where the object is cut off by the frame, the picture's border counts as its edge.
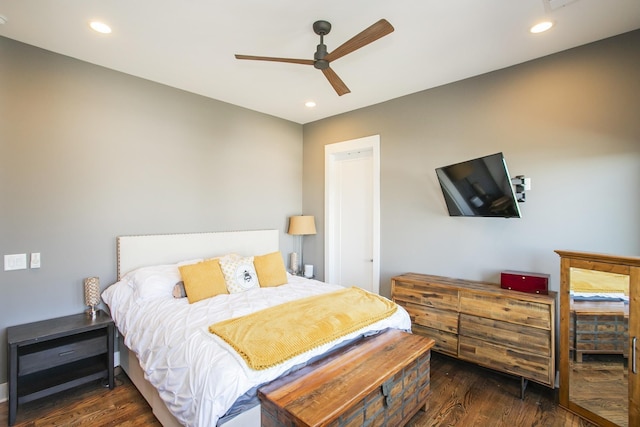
(189, 375)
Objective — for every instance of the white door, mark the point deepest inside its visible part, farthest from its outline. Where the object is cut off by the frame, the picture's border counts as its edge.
(352, 219)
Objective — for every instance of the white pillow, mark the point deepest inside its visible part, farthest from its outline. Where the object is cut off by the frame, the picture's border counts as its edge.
(155, 281)
(239, 273)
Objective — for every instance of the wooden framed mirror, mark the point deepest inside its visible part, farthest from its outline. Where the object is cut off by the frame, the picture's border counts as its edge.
(599, 330)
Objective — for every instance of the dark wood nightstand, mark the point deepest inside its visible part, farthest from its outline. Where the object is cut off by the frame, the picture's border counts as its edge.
(54, 355)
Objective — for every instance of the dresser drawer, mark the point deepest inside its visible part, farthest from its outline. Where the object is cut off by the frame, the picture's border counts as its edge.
(444, 342)
(425, 294)
(524, 312)
(40, 357)
(506, 359)
(533, 340)
(432, 317)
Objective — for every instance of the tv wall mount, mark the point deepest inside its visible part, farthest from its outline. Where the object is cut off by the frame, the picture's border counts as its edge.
(521, 184)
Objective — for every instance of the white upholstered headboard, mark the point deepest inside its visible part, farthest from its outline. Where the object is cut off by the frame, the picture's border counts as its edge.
(140, 251)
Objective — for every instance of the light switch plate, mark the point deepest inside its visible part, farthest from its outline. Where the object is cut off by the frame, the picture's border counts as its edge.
(35, 260)
(15, 262)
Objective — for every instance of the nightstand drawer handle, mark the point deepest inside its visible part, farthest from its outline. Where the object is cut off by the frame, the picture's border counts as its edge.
(66, 353)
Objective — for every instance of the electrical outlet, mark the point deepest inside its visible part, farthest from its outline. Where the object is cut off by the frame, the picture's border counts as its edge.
(15, 262)
(35, 260)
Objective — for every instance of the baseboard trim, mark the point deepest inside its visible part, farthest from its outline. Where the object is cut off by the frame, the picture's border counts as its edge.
(4, 387)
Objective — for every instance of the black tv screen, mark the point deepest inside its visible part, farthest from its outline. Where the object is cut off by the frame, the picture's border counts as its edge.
(479, 187)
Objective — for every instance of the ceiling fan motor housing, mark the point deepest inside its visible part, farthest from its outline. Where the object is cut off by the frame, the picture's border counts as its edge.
(321, 28)
(320, 63)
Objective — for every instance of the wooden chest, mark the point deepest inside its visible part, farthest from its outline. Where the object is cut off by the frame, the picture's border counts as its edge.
(379, 381)
(599, 327)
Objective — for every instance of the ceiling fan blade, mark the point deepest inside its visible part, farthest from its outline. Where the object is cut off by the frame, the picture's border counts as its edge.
(369, 35)
(269, 58)
(335, 81)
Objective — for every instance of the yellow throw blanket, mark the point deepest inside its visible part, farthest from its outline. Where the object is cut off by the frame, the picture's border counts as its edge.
(271, 336)
(598, 282)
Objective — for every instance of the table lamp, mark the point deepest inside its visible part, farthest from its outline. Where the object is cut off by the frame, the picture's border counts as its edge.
(300, 225)
(92, 295)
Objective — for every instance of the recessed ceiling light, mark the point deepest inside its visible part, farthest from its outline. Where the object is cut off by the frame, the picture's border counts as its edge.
(541, 27)
(100, 27)
(310, 104)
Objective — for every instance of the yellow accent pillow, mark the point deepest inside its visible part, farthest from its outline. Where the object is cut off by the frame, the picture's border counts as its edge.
(203, 280)
(270, 269)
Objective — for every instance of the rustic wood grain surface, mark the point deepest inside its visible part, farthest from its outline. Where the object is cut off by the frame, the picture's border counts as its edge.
(462, 394)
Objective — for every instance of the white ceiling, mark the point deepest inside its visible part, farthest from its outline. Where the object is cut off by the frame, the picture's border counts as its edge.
(190, 44)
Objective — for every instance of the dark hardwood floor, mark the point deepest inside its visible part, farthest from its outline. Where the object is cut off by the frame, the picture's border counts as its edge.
(88, 405)
(600, 383)
(462, 395)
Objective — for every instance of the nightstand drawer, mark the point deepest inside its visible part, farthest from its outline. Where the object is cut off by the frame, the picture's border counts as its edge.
(40, 357)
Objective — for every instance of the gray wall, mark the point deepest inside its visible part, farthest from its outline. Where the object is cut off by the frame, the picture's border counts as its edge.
(88, 154)
(570, 122)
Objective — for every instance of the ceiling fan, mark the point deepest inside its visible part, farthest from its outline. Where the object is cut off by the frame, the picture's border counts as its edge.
(322, 58)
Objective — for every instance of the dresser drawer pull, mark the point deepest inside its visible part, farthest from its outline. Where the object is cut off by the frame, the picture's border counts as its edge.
(66, 353)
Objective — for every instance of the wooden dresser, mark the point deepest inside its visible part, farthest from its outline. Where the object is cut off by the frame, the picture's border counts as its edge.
(505, 330)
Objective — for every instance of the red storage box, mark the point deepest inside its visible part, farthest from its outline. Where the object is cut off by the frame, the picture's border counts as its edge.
(533, 283)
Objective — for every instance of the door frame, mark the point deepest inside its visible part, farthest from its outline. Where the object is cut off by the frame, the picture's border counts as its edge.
(331, 161)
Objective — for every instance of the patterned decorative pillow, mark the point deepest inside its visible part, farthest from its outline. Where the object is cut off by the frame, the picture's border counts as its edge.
(239, 273)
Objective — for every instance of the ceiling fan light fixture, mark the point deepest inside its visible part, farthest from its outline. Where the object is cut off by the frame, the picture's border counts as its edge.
(100, 27)
(541, 27)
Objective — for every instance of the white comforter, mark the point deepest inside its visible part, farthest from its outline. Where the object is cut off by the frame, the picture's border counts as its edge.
(197, 375)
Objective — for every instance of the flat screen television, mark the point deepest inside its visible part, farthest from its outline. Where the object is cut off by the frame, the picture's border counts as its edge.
(479, 187)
